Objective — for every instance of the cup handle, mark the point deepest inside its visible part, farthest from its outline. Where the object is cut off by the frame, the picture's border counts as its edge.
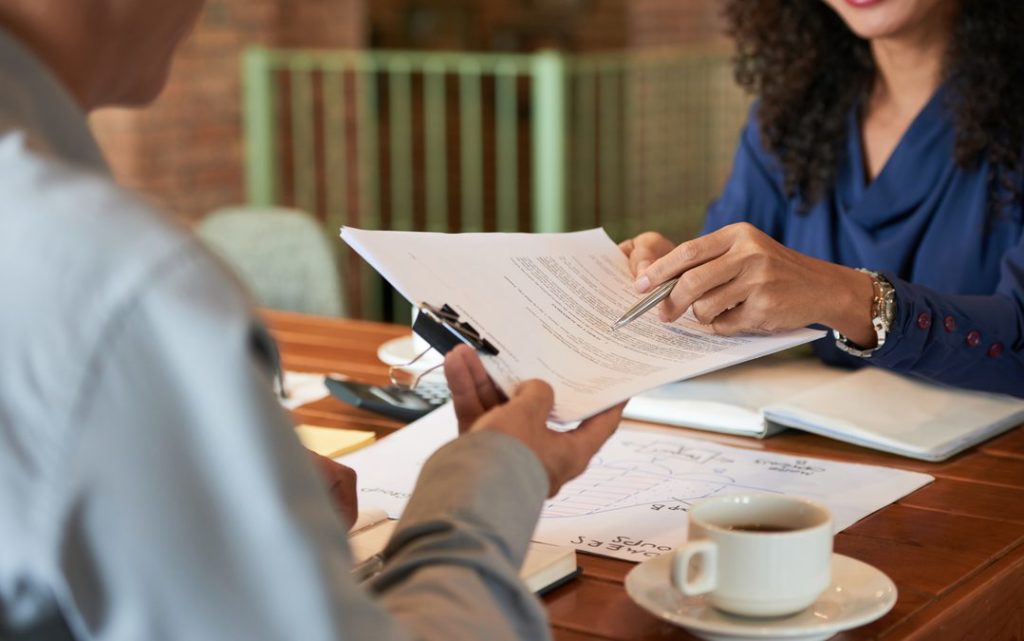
(707, 577)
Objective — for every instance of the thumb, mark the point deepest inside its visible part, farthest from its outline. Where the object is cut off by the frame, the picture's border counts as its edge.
(531, 403)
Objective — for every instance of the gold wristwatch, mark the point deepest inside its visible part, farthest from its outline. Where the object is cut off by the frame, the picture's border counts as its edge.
(883, 312)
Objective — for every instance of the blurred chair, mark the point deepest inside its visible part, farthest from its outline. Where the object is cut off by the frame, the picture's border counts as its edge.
(282, 255)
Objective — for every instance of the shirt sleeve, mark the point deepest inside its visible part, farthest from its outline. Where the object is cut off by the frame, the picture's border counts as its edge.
(972, 342)
(188, 510)
(754, 191)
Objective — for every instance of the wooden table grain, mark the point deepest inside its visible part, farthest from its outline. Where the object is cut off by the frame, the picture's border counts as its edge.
(955, 548)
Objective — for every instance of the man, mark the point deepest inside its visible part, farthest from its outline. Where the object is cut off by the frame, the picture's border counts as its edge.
(150, 486)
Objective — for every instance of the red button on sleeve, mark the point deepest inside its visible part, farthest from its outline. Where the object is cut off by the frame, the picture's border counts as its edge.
(924, 320)
(995, 350)
(973, 338)
(949, 323)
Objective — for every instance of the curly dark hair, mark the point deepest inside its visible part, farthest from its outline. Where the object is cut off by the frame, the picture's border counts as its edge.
(809, 70)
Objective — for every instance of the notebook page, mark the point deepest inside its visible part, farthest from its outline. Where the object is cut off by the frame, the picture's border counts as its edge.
(878, 409)
(731, 400)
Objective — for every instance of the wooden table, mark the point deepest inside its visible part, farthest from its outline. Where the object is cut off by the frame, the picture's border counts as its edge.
(955, 548)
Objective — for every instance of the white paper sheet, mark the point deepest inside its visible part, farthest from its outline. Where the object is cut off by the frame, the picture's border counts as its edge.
(303, 388)
(387, 470)
(631, 502)
(547, 301)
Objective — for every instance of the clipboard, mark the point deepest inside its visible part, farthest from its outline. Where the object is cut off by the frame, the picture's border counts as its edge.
(443, 330)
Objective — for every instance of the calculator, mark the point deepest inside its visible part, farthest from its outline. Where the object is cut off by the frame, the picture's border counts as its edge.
(392, 401)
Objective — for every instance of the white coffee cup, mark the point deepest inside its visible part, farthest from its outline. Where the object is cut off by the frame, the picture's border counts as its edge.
(758, 555)
(419, 344)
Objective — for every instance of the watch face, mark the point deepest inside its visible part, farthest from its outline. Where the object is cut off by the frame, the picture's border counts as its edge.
(888, 311)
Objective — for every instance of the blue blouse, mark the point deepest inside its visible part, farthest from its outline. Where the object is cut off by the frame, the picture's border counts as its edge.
(923, 222)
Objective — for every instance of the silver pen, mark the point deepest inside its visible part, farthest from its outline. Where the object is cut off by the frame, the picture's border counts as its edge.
(659, 294)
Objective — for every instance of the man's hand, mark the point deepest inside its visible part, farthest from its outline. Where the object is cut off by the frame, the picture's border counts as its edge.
(341, 485)
(473, 391)
(480, 406)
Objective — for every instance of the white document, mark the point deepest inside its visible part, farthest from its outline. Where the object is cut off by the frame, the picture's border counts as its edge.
(547, 302)
(387, 470)
(302, 389)
(631, 502)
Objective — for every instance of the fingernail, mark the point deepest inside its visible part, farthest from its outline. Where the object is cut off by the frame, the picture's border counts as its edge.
(642, 284)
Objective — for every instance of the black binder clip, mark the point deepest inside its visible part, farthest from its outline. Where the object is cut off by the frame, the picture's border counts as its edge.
(443, 331)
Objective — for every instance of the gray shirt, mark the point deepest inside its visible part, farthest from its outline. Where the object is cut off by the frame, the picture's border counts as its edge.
(150, 485)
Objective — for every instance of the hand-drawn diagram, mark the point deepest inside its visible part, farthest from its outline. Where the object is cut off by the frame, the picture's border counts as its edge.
(664, 473)
(631, 502)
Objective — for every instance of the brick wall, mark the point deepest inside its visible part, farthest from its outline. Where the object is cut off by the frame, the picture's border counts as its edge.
(186, 149)
(673, 23)
(574, 25)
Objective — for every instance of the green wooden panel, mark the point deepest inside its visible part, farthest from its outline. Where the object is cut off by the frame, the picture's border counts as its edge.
(585, 149)
(260, 122)
(303, 146)
(369, 171)
(400, 153)
(336, 146)
(611, 161)
(549, 142)
(435, 127)
(471, 143)
(507, 154)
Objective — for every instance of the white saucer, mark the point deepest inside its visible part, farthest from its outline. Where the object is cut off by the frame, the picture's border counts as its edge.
(859, 594)
(401, 350)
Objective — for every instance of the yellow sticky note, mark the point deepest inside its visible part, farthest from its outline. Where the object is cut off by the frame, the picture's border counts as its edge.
(332, 442)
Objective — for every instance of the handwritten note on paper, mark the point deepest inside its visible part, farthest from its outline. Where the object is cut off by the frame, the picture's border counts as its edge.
(631, 501)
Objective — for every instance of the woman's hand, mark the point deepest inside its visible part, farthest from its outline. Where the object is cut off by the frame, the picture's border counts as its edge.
(644, 250)
(740, 280)
(480, 406)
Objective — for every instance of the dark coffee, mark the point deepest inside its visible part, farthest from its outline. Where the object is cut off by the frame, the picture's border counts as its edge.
(760, 527)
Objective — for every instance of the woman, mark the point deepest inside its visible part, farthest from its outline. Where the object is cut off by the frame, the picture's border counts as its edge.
(888, 136)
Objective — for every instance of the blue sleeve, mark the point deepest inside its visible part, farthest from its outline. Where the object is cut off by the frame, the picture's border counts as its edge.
(972, 342)
(754, 192)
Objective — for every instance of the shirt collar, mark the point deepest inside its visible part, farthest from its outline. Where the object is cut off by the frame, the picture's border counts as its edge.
(35, 102)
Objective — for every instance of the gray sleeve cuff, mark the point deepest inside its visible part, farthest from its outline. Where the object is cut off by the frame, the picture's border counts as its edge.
(487, 482)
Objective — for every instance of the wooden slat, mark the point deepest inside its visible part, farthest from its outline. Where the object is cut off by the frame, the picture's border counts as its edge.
(985, 607)
(985, 468)
(1010, 444)
(970, 499)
